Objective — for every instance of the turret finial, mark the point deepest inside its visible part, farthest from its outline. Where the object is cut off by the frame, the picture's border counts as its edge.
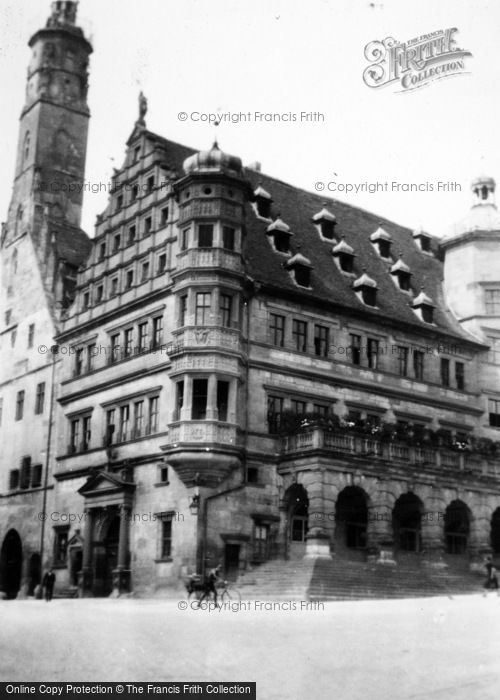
(143, 108)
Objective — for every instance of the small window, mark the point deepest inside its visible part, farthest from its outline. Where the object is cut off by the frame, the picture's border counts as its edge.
(226, 306)
(369, 296)
(116, 243)
(346, 262)
(162, 263)
(153, 415)
(460, 375)
(184, 239)
(148, 225)
(494, 412)
(99, 293)
(200, 396)
(164, 475)
(131, 234)
(123, 428)
(144, 271)
(282, 242)
(119, 202)
(19, 405)
(164, 216)
(143, 336)
(302, 275)
(427, 313)
(86, 300)
(114, 287)
(494, 351)
(74, 439)
(137, 151)
(91, 353)
(372, 353)
(166, 537)
(299, 335)
(129, 279)
(264, 207)
(228, 237)
(321, 410)
(134, 192)
(102, 251)
(277, 330)
(110, 437)
(445, 372)
(205, 235)
(298, 407)
(157, 331)
(327, 229)
(252, 475)
(492, 301)
(202, 310)
(179, 399)
(418, 364)
(36, 476)
(222, 400)
(114, 355)
(86, 433)
(78, 362)
(128, 340)
(150, 183)
(31, 334)
(355, 349)
(321, 340)
(60, 546)
(14, 479)
(39, 398)
(183, 309)
(138, 428)
(384, 248)
(425, 244)
(274, 413)
(402, 354)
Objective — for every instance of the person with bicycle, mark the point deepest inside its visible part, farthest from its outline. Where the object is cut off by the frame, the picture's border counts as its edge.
(211, 579)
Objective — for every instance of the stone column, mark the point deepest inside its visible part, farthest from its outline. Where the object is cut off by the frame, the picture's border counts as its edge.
(232, 399)
(121, 575)
(185, 413)
(320, 528)
(86, 574)
(433, 544)
(212, 397)
(379, 533)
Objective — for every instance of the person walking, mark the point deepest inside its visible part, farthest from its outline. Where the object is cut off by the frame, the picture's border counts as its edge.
(491, 576)
(48, 583)
(211, 580)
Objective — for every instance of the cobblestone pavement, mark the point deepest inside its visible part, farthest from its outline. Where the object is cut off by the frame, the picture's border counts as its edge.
(438, 648)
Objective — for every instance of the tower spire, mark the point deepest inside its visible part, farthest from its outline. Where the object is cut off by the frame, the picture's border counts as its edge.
(63, 13)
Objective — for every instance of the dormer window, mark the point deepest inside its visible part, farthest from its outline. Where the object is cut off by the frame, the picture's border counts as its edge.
(301, 268)
(401, 274)
(281, 234)
(344, 256)
(325, 221)
(382, 241)
(366, 289)
(423, 240)
(423, 306)
(263, 202)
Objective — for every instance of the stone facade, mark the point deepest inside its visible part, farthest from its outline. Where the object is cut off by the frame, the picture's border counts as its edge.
(248, 373)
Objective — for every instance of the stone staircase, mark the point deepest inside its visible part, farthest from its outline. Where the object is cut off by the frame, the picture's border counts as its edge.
(348, 579)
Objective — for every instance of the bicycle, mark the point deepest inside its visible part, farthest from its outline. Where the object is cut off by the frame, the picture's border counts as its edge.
(226, 592)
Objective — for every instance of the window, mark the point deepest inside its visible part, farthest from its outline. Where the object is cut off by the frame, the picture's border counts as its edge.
(153, 415)
(157, 331)
(402, 353)
(131, 234)
(183, 310)
(184, 242)
(427, 313)
(19, 405)
(86, 433)
(25, 473)
(346, 262)
(36, 476)
(179, 399)
(137, 151)
(321, 341)
(138, 419)
(109, 437)
(384, 248)
(129, 279)
(460, 375)
(205, 235)
(143, 336)
(261, 542)
(264, 207)
(134, 192)
(102, 251)
(418, 364)
(369, 295)
(124, 423)
(91, 353)
(128, 339)
(425, 243)
(298, 407)
(282, 241)
(494, 351)
(321, 409)
(116, 243)
(119, 202)
(31, 334)
(164, 475)
(150, 183)
(200, 396)
(222, 400)
(166, 537)
(226, 305)
(99, 293)
(144, 271)
(164, 216)
(494, 411)
(277, 330)
(39, 398)
(327, 229)
(78, 362)
(74, 438)
(14, 479)
(86, 300)
(162, 263)
(355, 349)
(302, 275)
(492, 301)
(372, 349)
(445, 372)
(148, 225)
(114, 287)
(60, 545)
(274, 413)
(299, 335)
(228, 237)
(252, 475)
(115, 348)
(202, 315)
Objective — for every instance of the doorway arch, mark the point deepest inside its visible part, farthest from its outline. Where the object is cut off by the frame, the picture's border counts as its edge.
(407, 523)
(456, 527)
(11, 564)
(351, 518)
(297, 510)
(106, 556)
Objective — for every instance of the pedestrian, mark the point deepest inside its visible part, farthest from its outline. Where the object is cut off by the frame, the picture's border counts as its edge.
(491, 576)
(48, 583)
(211, 580)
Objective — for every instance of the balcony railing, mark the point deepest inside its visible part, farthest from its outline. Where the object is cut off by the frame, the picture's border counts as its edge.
(207, 337)
(203, 431)
(216, 208)
(209, 257)
(355, 444)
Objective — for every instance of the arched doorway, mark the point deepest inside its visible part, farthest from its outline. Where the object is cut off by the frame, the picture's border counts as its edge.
(297, 509)
(495, 531)
(106, 556)
(35, 573)
(351, 519)
(407, 523)
(456, 527)
(11, 563)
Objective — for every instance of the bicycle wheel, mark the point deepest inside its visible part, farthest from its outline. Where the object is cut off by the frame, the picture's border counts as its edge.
(231, 595)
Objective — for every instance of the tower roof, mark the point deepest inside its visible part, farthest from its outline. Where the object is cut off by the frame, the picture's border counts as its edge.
(212, 160)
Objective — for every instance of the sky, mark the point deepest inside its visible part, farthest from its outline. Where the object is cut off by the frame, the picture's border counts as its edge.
(282, 57)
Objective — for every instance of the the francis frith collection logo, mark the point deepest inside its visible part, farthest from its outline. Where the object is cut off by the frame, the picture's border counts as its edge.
(414, 63)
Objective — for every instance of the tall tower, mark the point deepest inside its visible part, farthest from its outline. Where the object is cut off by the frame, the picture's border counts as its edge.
(41, 248)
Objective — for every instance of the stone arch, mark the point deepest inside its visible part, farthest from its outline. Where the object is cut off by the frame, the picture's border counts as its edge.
(106, 553)
(457, 527)
(296, 506)
(407, 522)
(351, 518)
(495, 531)
(11, 563)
